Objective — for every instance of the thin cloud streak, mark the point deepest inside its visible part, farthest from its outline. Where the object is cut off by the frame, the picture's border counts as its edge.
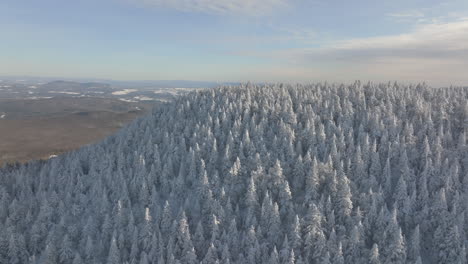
(444, 41)
(407, 14)
(222, 7)
(434, 52)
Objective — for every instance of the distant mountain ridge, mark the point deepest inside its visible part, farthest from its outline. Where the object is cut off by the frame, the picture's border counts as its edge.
(117, 83)
(69, 85)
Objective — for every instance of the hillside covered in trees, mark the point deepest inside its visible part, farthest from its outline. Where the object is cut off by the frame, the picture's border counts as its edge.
(276, 174)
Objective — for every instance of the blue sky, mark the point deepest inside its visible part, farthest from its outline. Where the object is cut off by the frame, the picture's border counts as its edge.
(237, 40)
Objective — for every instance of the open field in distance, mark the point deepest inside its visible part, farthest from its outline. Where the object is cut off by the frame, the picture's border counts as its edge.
(36, 129)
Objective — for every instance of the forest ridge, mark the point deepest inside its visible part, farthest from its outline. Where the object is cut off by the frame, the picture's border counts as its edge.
(321, 173)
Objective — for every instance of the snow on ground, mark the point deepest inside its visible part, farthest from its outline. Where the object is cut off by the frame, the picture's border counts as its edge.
(123, 92)
(175, 91)
(186, 89)
(32, 87)
(165, 92)
(127, 100)
(39, 97)
(143, 98)
(2, 116)
(64, 92)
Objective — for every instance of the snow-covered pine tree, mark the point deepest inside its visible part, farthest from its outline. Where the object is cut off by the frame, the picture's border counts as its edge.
(320, 173)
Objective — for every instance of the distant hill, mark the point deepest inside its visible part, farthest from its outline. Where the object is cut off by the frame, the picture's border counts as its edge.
(170, 84)
(89, 82)
(68, 85)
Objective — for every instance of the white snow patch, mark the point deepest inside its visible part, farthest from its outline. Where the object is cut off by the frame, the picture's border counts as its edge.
(32, 87)
(164, 92)
(64, 92)
(2, 116)
(175, 91)
(123, 92)
(162, 100)
(187, 89)
(127, 100)
(39, 97)
(52, 156)
(143, 98)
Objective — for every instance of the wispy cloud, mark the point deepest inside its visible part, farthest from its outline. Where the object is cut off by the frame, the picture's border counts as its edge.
(439, 40)
(223, 7)
(435, 52)
(407, 14)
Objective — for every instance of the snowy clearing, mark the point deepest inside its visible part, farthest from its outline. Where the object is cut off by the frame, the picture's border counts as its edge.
(65, 92)
(127, 100)
(39, 97)
(143, 98)
(124, 92)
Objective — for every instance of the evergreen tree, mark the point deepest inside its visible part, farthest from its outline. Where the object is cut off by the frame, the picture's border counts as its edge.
(211, 256)
(77, 259)
(374, 257)
(114, 253)
(66, 250)
(274, 258)
(395, 251)
(344, 204)
(51, 254)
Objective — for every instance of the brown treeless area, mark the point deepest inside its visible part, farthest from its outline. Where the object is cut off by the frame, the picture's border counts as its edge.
(39, 137)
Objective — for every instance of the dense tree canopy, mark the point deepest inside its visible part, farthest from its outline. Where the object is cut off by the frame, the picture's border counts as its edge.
(256, 174)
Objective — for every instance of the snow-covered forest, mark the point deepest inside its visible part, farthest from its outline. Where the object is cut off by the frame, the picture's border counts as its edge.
(361, 173)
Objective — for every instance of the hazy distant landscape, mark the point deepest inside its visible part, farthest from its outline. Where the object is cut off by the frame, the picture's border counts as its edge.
(39, 119)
